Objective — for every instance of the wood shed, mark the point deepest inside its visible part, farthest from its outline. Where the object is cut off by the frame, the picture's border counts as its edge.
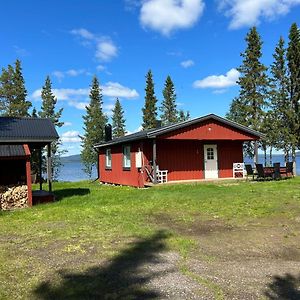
(19, 137)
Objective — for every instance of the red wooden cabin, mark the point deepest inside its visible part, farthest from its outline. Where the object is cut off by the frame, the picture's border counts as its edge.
(202, 148)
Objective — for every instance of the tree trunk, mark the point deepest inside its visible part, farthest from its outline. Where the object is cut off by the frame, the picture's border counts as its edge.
(271, 156)
(294, 159)
(256, 152)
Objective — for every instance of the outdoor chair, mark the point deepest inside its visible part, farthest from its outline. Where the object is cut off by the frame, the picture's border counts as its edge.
(289, 169)
(250, 171)
(261, 174)
(276, 174)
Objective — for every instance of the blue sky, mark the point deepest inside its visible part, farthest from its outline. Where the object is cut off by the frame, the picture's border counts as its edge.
(197, 42)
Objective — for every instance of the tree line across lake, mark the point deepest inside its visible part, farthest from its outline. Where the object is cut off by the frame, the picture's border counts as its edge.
(268, 101)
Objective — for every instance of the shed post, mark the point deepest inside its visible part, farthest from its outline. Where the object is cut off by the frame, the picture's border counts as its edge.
(49, 167)
(154, 161)
(40, 168)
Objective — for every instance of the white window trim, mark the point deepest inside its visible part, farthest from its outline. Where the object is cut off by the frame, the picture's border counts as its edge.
(108, 154)
(125, 159)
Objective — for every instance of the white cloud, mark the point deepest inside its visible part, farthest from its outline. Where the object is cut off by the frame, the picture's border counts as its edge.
(107, 108)
(106, 50)
(79, 105)
(140, 128)
(166, 16)
(71, 136)
(83, 33)
(71, 73)
(115, 89)
(66, 124)
(100, 68)
(244, 13)
(79, 98)
(187, 63)
(218, 81)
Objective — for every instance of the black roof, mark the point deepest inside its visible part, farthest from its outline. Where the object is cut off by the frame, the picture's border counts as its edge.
(26, 130)
(152, 133)
(12, 150)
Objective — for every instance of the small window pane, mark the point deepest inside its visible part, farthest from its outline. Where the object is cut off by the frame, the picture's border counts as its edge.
(108, 158)
(210, 153)
(126, 157)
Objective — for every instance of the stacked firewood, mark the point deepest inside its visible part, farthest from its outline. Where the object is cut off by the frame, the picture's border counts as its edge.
(13, 197)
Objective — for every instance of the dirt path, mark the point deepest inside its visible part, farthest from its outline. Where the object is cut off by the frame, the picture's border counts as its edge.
(254, 261)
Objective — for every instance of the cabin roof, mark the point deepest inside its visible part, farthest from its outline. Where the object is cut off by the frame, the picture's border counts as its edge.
(12, 151)
(26, 130)
(153, 133)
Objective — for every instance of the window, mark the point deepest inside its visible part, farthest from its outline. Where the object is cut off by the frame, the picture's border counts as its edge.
(126, 157)
(210, 153)
(108, 159)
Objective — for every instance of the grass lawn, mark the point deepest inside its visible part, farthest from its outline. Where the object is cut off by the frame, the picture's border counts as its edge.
(218, 240)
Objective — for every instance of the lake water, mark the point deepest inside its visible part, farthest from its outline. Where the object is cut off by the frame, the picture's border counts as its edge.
(72, 170)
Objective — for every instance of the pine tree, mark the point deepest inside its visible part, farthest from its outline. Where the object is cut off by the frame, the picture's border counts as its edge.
(248, 107)
(280, 126)
(293, 57)
(21, 105)
(150, 109)
(118, 121)
(6, 89)
(182, 116)
(34, 113)
(13, 92)
(49, 102)
(94, 125)
(169, 107)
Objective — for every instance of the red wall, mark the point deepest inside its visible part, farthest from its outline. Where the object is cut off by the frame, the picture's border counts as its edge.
(184, 160)
(209, 130)
(117, 175)
(229, 153)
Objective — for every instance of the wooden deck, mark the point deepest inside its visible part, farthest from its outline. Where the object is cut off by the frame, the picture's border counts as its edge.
(215, 180)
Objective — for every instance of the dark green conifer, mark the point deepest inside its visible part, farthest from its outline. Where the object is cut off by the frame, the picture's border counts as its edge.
(149, 109)
(94, 125)
(118, 120)
(248, 107)
(169, 108)
(293, 58)
(48, 110)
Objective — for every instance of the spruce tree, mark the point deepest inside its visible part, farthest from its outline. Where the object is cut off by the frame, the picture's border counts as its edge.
(94, 126)
(13, 92)
(281, 114)
(248, 107)
(7, 93)
(118, 121)
(293, 57)
(20, 106)
(149, 110)
(169, 108)
(48, 111)
(182, 116)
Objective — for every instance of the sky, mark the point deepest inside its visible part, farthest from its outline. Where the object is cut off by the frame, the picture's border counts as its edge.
(197, 42)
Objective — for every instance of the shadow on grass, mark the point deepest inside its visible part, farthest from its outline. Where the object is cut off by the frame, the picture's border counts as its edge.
(285, 287)
(121, 278)
(65, 193)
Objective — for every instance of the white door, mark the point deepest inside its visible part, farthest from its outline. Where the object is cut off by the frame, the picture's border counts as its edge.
(210, 161)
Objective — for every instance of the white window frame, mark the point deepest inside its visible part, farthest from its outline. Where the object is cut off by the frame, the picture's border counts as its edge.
(108, 158)
(126, 157)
